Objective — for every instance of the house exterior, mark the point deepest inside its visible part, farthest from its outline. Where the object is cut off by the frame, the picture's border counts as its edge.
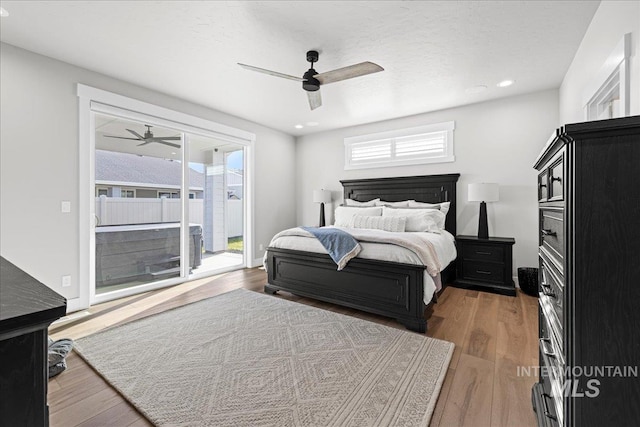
(131, 176)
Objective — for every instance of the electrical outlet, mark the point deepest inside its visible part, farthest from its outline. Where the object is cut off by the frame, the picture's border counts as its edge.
(65, 206)
(66, 281)
(261, 247)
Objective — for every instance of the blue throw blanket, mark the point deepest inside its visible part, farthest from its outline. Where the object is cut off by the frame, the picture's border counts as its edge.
(340, 245)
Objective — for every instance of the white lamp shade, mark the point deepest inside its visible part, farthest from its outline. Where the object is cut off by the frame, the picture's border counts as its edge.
(321, 196)
(483, 192)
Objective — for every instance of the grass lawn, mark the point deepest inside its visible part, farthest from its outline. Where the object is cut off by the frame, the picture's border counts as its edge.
(235, 244)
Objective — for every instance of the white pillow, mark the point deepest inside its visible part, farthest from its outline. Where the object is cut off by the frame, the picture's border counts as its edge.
(344, 213)
(388, 223)
(418, 219)
(444, 206)
(351, 202)
(402, 204)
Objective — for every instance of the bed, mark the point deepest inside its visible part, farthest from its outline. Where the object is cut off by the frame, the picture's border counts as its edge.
(386, 288)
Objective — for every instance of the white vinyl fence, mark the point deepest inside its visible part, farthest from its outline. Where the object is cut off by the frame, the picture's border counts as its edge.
(121, 211)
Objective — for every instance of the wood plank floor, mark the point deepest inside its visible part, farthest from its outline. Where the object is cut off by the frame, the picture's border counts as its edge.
(493, 334)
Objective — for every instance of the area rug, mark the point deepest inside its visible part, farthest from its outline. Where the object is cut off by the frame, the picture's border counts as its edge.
(248, 359)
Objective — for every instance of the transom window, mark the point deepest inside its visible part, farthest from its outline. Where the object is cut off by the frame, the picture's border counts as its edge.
(409, 146)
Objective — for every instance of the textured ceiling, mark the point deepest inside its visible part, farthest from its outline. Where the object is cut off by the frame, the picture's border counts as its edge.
(432, 52)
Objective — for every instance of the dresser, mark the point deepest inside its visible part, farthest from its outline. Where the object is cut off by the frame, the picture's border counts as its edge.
(589, 275)
(27, 308)
(485, 264)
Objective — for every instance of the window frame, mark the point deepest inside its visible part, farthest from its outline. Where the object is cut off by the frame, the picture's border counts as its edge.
(168, 194)
(126, 191)
(446, 127)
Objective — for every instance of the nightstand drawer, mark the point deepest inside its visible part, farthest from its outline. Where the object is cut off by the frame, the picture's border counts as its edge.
(481, 252)
(483, 271)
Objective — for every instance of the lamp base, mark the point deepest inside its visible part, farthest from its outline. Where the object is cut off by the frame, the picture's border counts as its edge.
(322, 223)
(483, 226)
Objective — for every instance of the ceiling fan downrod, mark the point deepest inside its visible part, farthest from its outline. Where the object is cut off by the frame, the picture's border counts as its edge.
(310, 83)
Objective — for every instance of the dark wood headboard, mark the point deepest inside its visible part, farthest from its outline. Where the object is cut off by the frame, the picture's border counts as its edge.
(427, 189)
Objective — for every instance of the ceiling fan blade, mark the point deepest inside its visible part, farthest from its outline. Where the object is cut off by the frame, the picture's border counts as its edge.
(357, 70)
(140, 137)
(271, 73)
(122, 137)
(315, 100)
(160, 138)
(170, 144)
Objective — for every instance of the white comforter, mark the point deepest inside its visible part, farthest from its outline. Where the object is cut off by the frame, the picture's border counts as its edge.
(435, 251)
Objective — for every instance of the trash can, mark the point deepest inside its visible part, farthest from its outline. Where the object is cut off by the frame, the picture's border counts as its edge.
(528, 280)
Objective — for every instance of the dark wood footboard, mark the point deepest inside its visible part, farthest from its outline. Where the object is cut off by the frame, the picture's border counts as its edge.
(386, 288)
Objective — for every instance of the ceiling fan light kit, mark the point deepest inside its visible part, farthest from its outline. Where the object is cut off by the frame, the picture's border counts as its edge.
(311, 80)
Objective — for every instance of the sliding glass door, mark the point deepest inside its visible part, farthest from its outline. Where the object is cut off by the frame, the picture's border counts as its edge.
(158, 220)
(216, 202)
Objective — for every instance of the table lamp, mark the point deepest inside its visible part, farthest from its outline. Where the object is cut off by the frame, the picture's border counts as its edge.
(483, 192)
(322, 197)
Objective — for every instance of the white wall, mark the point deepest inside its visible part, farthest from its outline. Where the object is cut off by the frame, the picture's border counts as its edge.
(40, 160)
(612, 20)
(496, 141)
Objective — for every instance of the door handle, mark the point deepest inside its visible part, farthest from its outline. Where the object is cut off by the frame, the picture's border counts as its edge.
(546, 290)
(544, 342)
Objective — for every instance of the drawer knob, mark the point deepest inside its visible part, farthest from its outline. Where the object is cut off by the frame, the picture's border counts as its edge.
(546, 290)
(541, 185)
(556, 178)
(548, 232)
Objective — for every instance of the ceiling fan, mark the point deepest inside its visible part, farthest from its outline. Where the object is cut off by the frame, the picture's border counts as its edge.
(311, 80)
(148, 138)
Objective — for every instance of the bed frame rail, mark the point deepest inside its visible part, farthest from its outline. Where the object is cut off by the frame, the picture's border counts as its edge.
(386, 288)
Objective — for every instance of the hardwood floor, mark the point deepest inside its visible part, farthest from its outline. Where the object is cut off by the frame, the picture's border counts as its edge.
(493, 334)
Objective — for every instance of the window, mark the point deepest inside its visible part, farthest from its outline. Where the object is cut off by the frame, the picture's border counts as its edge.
(168, 194)
(607, 96)
(101, 191)
(410, 146)
(129, 194)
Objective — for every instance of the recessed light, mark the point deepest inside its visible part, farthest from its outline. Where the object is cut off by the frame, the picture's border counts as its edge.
(476, 89)
(298, 126)
(3, 12)
(505, 83)
(173, 152)
(312, 124)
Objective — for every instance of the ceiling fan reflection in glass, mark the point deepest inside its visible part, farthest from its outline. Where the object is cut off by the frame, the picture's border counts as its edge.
(148, 138)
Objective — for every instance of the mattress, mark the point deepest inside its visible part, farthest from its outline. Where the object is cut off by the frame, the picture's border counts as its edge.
(443, 243)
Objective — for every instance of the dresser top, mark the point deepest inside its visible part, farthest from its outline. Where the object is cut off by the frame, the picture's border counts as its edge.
(564, 134)
(24, 301)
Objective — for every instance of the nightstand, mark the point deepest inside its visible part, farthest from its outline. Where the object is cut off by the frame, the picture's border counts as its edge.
(485, 264)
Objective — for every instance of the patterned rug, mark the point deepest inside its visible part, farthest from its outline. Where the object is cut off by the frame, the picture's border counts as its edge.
(248, 359)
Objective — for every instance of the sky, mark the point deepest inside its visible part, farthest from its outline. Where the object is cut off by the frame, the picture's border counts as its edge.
(234, 161)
